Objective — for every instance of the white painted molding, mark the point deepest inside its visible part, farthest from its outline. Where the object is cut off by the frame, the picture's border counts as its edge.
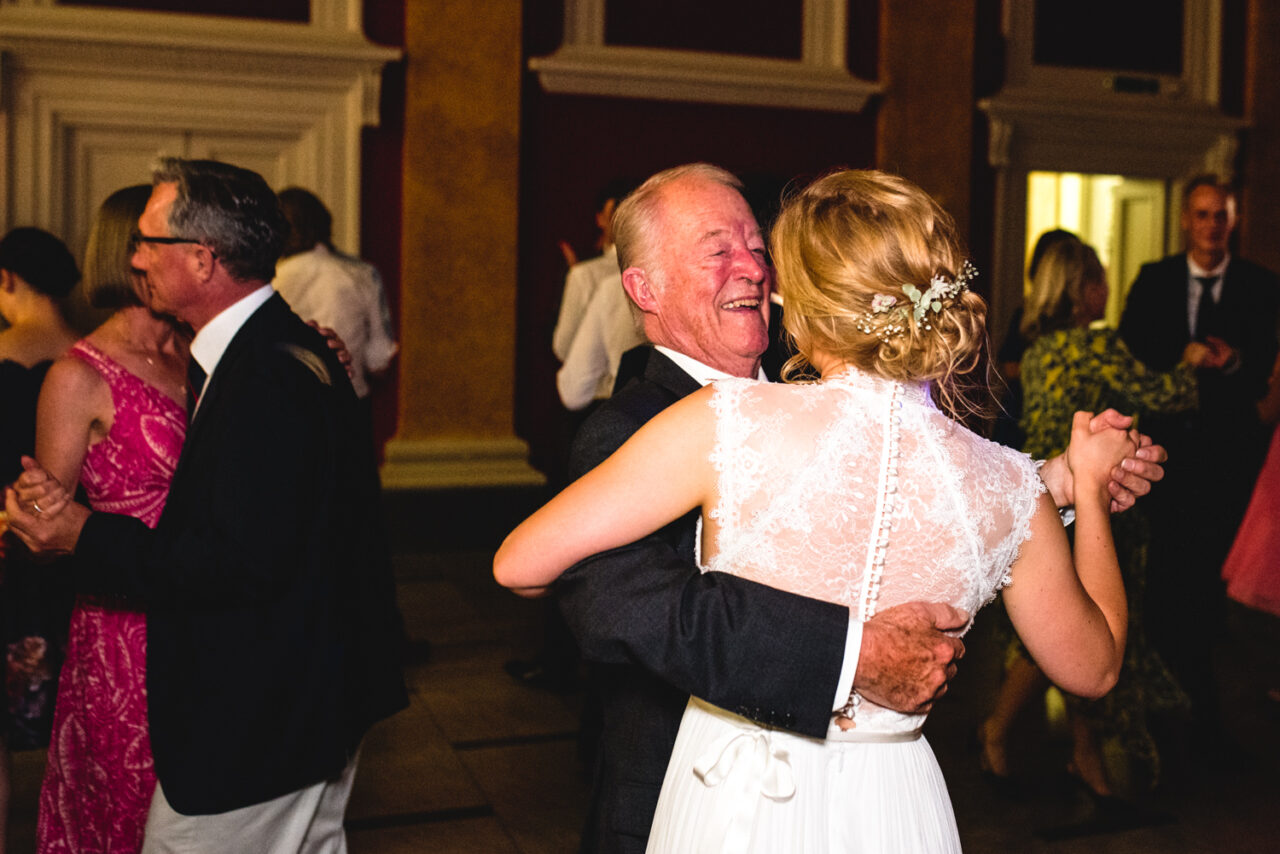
(92, 96)
(1127, 134)
(458, 462)
(673, 75)
(1201, 59)
(332, 14)
(819, 80)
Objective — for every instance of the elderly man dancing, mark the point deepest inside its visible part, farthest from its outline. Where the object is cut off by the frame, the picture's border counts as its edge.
(693, 262)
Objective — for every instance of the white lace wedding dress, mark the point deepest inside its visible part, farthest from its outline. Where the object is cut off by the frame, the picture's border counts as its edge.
(856, 490)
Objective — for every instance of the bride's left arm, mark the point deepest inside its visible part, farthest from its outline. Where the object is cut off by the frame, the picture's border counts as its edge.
(658, 475)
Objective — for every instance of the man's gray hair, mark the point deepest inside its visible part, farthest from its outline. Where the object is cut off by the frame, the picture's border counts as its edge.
(231, 210)
(635, 220)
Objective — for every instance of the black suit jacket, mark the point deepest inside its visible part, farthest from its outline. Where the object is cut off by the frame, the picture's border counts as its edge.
(1216, 451)
(273, 635)
(660, 630)
(1155, 328)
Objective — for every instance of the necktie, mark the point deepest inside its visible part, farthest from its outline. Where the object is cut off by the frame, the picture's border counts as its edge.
(1205, 314)
(195, 384)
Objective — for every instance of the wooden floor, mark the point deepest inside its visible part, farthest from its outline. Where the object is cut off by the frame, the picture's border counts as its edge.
(479, 763)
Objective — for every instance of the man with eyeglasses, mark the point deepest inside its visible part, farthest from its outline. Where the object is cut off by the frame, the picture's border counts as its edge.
(272, 627)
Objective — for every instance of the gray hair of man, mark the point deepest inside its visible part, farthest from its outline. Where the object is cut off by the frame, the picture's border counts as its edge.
(230, 210)
(635, 222)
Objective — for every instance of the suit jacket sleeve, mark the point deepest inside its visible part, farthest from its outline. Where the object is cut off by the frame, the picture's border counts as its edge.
(744, 646)
(245, 499)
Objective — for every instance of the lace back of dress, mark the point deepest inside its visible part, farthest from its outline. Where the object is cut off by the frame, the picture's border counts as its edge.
(858, 491)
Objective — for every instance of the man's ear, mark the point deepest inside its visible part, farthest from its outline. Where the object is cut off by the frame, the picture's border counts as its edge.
(203, 263)
(6, 281)
(636, 282)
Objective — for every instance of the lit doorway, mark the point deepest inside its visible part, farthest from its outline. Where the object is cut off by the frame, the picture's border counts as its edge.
(1123, 218)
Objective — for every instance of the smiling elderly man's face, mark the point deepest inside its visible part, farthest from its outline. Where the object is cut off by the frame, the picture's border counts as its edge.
(713, 286)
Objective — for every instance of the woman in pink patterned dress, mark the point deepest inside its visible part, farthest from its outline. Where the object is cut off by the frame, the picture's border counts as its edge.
(112, 416)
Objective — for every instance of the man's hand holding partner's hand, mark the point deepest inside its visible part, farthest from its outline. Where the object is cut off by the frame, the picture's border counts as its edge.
(1129, 481)
(41, 511)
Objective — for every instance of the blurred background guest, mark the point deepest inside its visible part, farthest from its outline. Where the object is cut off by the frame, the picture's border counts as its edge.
(37, 272)
(333, 290)
(606, 330)
(1007, 430)
(1252, 568)
(112, 417)
(1069, 365)
(1203, 294)
(585, 277)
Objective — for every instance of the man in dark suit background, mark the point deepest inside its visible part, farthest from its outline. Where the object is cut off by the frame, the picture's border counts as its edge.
(272, 627)
(1204, 294)
(693, 262)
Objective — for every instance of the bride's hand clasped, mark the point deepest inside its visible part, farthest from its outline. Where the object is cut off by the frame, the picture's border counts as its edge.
(1092, 454)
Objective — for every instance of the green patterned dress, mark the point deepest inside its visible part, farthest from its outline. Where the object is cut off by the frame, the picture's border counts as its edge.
(1092, 369)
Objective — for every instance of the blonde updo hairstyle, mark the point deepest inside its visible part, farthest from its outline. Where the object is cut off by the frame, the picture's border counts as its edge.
(855, 235)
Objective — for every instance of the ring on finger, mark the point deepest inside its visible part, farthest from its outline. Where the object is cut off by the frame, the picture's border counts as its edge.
(35, 505)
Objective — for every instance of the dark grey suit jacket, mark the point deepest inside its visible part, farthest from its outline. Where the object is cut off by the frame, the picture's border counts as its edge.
(1154, 326)
(1216, 451)
(273, 636)
(660, 630)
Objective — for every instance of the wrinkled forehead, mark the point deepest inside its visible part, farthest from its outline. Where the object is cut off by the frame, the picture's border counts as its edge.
(698, 210)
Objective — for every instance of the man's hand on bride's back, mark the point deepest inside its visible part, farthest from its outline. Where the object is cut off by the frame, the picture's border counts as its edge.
(907, 658)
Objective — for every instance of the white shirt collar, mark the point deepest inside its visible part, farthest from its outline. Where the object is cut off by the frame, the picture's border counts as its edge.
(212, 339)
(700, 372)
(1197, 270)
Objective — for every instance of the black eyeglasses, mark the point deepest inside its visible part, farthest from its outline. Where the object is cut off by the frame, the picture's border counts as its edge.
(166, 241)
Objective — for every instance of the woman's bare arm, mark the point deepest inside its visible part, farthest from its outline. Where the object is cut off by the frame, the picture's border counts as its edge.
(75, 410)
(1072, 615)
(658, 475)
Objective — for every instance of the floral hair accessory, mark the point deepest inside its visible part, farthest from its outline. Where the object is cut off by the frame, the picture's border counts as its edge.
(887, 319)
(880, 303)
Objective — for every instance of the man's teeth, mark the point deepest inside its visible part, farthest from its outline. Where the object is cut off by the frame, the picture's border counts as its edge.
(742, 303)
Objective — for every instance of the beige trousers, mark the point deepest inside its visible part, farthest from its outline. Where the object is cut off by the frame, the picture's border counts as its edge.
(308, 821)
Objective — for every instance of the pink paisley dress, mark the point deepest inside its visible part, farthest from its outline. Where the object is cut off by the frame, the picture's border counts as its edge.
(99, 778)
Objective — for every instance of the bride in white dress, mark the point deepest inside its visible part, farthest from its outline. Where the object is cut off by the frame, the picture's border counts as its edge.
(856, 489)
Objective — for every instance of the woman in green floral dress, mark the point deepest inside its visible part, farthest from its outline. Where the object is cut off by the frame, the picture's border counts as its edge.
(1068, 367)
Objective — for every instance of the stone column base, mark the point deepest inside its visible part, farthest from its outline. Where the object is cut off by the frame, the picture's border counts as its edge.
(458, 462)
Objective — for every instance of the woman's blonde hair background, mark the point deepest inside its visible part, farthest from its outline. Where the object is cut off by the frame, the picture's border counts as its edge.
(1057, 291)
(853, 235)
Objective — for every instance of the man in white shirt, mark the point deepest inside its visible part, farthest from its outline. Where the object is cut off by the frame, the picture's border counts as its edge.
(335, 291)
(585, 278)
(608, 329)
